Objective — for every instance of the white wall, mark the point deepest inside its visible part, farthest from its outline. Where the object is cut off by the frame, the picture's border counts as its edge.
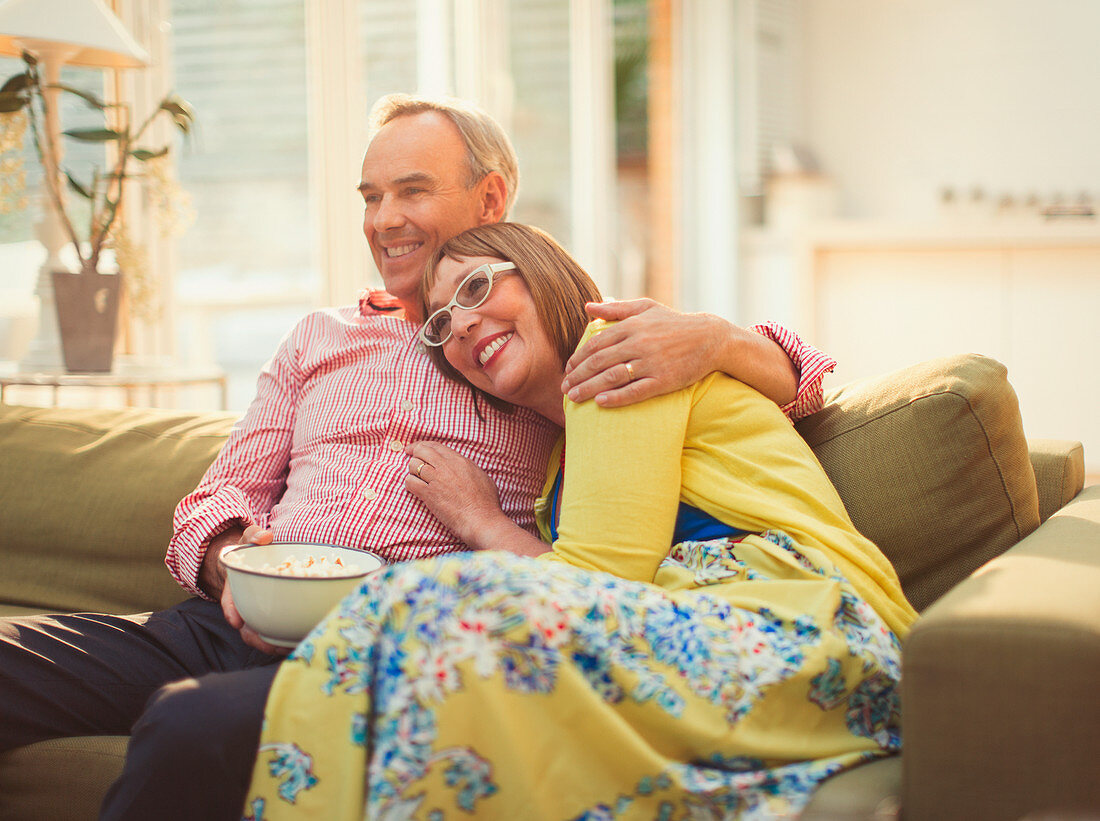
(901, 99)
(905, 97)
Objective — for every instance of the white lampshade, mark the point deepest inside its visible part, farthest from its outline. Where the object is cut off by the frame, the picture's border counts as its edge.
(87, 31)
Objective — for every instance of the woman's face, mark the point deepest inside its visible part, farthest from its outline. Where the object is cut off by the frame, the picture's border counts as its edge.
(500, 346)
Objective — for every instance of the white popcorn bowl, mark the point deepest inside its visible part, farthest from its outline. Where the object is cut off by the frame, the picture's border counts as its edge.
(281, 608)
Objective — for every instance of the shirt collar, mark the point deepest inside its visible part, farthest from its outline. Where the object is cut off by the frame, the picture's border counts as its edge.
(377, 301)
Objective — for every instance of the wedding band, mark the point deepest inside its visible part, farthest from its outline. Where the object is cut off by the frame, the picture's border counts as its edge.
(629, 371)
(419, 468)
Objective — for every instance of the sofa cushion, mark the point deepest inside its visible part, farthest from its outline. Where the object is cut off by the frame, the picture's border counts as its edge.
(86, 503)
(59, 778)
(933, 466)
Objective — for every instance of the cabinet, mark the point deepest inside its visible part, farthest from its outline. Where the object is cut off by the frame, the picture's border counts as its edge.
(879, 298)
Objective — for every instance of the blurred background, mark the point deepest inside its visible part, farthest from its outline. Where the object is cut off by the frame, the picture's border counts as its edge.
(894, 179)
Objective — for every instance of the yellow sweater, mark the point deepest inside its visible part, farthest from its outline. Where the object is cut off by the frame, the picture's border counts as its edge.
(721, 447)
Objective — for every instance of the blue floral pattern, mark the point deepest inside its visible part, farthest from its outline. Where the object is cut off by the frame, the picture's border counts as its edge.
(293, 767)
(470, 648)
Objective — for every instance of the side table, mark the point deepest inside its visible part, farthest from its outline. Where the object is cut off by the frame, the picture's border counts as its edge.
(127, 376)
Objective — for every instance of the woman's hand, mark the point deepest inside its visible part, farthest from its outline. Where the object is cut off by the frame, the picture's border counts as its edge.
(463, 497)
(459, 493)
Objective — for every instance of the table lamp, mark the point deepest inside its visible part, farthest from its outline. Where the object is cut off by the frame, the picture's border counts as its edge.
(59, 32)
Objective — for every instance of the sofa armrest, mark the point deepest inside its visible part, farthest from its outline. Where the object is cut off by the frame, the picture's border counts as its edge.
(1000, 681)
(1059, 466)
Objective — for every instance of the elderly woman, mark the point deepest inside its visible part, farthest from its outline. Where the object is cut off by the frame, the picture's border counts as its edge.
(704, 633)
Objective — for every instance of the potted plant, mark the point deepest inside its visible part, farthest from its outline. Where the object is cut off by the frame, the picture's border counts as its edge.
(87, 300)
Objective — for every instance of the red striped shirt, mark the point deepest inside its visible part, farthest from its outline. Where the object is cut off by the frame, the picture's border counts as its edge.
(812, 366)
(319, 455)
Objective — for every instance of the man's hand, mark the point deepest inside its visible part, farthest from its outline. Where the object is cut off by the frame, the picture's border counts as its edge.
(654, 350)
(212, 582)
(248, 635)
(665, 349)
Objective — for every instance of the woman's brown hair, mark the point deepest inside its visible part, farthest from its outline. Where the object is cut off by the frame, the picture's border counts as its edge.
(558, 285)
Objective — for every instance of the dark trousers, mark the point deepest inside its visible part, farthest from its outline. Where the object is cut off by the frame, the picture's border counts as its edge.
(180, 681)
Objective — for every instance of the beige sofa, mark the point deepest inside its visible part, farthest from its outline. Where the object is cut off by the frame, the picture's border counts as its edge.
(1001, 717)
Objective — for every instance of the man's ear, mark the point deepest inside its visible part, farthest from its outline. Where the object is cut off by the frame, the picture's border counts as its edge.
(494, 198)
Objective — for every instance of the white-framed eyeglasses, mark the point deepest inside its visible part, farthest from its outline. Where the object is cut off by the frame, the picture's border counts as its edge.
(471, 292)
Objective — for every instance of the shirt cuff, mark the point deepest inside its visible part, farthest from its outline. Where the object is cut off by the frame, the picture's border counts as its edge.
(812, 366)
(194, 532)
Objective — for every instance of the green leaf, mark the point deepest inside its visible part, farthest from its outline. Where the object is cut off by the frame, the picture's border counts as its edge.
(183, 124)
(16, 83)
(145, 155)
(12, 101)
(93, 135)
(86, 96)
(77, 187)
(182, 114)
(177, 107)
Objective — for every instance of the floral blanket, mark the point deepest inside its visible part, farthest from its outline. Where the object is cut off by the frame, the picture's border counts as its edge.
(489, 686)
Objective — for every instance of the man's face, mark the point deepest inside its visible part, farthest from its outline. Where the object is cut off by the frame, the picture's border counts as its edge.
(414, 187)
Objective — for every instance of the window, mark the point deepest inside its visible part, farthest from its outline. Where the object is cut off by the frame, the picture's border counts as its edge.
(22, 204)
(282, 124)
(245, 267)
(248, 267)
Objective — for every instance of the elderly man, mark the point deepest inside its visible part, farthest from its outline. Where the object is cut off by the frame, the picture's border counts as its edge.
(319, 456)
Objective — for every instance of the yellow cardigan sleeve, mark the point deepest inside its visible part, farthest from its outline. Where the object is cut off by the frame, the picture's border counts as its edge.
(722, 448)
(622, 487)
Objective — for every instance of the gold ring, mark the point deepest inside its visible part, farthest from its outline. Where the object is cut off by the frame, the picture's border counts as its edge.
(419, 468)
(630, 371)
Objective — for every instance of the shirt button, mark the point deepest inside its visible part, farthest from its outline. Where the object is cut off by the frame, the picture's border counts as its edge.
(370, 494)
(396, 446)
(407, 405)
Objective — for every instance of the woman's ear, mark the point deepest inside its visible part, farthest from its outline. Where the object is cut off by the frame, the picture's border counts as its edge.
(494, 198)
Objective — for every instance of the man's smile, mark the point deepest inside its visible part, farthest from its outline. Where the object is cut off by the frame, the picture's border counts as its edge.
(401, 250)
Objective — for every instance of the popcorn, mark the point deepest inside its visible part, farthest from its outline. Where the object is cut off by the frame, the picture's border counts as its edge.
(307, 567)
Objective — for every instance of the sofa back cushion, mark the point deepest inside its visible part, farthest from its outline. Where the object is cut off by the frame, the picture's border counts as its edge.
(86, 503)
(931, 462)
(933, 466)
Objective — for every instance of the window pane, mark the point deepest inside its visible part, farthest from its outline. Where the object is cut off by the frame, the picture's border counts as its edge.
(245, 266)
(539, 36)
(631, 30)
(388, 37)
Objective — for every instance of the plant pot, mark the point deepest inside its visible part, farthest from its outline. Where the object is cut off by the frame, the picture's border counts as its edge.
(87, 318)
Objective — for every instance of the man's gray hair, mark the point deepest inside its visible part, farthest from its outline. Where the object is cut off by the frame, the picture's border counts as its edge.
(487, 146)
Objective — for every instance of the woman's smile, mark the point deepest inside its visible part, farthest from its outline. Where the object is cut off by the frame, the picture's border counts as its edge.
(485, 350)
